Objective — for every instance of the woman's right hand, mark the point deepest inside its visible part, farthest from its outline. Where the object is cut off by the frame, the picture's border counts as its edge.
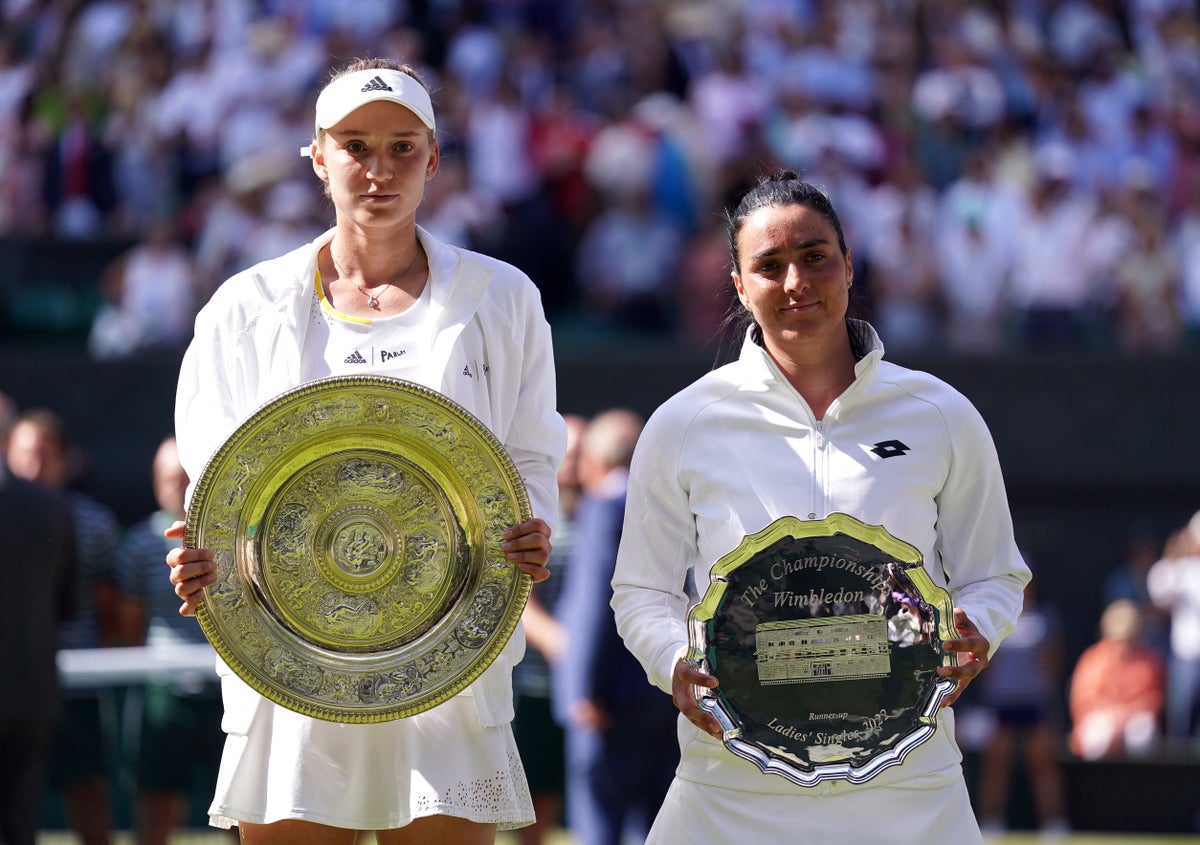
(191, 570)
(683, 679)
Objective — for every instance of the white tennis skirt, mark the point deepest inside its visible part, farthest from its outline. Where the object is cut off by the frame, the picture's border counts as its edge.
(926, 809)
(279, 764)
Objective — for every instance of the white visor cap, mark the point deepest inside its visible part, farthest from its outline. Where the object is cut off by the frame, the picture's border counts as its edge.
(349, 92)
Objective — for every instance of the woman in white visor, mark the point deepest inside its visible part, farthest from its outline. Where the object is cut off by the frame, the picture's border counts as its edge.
(376, 294)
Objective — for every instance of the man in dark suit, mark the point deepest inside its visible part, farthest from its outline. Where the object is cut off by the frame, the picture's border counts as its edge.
(38, 579)
(620, 730)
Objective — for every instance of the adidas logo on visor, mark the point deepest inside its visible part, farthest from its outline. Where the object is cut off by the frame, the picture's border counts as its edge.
(377, 84)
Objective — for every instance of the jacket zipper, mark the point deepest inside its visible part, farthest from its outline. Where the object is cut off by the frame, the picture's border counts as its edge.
(818, 468)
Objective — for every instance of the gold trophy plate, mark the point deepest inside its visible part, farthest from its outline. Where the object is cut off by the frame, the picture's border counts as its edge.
(356, 523)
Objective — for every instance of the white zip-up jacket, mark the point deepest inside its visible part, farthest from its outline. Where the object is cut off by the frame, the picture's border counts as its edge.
(740, 448)
(247, 350)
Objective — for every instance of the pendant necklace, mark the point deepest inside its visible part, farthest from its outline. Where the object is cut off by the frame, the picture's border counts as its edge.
(372, 302)
(372, 299)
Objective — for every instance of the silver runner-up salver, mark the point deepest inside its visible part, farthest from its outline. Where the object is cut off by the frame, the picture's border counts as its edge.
(825, 637)
(356, 523)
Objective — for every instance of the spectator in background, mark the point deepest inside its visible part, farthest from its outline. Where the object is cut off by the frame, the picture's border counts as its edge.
(1022, 690)
(974, 256)
(41, 451)
(266, 85)
(97, 30)
(904, 284)
(1096, 168)
(1147, 294)
(17, 170)
(621, 752)
(627, 263)
(235, 209)
(1117, 689)
(16, 80)
(1129, 581)
(291, 216)
(1185, 243)
(8, 418)
(1174, 583)
(955, 100)
(676, 158)
(704, 292)
(729, 103)
(186, 115)
(498, 146)
(1051, 276)
(20, 203)
(539, 737)
(455, 213)
(1152, 145)
(177, 739)
(143, 174)
(1136, 275)
(561, 133)
(152, 297)
(39, 577)
(525, 228)
(78, 191)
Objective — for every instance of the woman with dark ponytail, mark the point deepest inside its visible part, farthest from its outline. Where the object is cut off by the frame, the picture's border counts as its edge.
(795, 427)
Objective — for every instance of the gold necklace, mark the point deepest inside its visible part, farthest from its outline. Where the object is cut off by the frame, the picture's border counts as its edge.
(372, 299)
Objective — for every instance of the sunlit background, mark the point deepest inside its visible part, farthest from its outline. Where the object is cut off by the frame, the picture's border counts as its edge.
(1019, 183)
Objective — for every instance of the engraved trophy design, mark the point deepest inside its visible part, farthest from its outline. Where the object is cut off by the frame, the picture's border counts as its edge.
(356, 522)
(825, 636)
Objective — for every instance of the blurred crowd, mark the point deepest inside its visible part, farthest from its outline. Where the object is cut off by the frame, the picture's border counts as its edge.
(1133, 693)
(1011, 175)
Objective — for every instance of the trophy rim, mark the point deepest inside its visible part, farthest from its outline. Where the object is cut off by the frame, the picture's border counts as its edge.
(279, 654)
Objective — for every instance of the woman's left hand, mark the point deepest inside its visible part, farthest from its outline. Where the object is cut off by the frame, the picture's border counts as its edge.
(971, 643)
(528, 546)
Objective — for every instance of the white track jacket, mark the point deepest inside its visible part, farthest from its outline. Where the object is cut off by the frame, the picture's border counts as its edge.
(246, 351)
(739, 448)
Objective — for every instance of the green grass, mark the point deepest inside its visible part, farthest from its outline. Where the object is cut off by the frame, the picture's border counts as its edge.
(205, 837)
